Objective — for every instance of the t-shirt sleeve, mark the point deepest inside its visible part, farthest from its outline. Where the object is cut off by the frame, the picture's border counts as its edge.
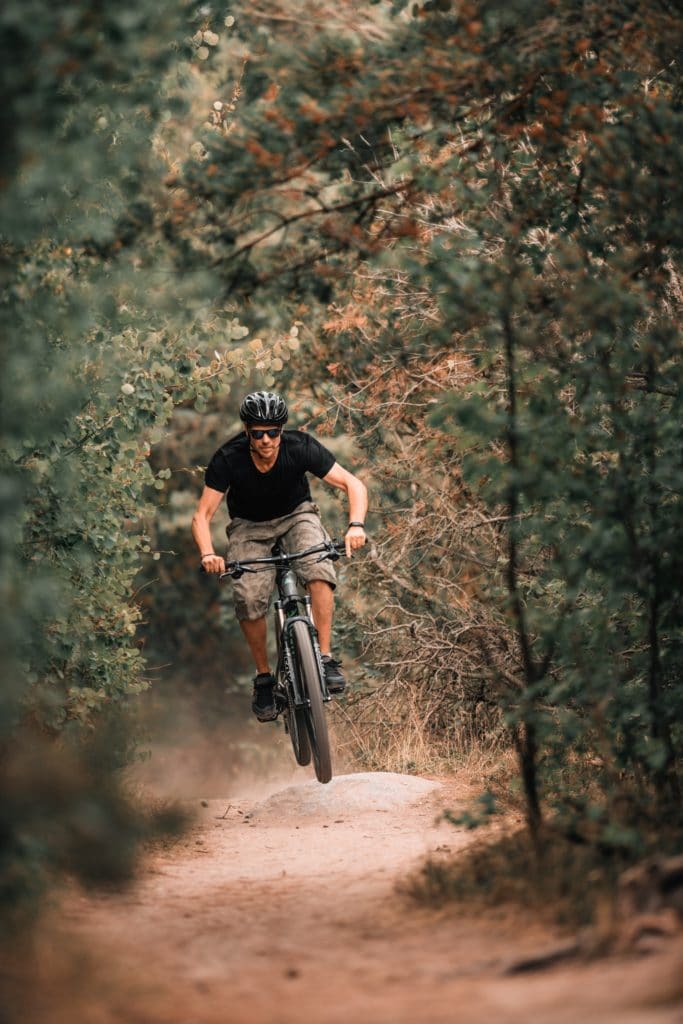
(217, 475)
(320, 459)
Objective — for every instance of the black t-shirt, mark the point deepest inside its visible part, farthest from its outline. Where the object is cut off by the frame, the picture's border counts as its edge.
(260, 496)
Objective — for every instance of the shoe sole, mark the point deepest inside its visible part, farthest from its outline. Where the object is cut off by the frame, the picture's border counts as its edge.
(269, 716)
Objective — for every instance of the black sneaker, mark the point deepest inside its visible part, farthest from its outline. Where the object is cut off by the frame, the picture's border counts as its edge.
(263, 700)
(334, 678)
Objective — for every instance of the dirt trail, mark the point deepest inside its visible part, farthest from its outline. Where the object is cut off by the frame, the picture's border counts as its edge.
(284, 909)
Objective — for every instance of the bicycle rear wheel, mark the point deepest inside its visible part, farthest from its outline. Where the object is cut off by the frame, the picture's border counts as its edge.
(314, 712)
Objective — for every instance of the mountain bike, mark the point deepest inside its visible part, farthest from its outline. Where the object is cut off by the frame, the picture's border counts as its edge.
(300, 690)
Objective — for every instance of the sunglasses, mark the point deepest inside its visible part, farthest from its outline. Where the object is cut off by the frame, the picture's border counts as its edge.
(268, 432)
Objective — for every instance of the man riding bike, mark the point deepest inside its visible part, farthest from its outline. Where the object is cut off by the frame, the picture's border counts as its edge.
(263, 473)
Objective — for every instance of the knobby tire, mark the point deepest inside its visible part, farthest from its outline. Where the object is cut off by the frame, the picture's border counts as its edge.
(315, 709)
(295, 718)
(298, 730)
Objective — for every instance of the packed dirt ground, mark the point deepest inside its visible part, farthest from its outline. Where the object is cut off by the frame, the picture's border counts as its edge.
(287, 903)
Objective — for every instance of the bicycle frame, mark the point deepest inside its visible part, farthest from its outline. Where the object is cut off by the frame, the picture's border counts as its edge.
(290, 607)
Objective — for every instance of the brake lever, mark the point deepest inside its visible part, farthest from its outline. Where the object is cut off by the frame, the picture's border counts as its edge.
(235, 574)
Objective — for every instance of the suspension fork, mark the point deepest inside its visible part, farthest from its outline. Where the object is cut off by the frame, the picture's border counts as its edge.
(286, 614)
(293, 605)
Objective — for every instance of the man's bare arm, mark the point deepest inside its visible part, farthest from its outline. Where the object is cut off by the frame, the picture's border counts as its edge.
(357, 494)
(201, 529)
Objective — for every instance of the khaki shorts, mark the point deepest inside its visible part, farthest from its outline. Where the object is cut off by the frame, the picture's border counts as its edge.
(300, 529)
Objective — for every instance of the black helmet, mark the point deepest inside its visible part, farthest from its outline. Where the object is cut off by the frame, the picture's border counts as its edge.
(264, 407)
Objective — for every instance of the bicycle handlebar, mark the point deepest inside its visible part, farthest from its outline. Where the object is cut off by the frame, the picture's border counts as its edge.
(328, 549)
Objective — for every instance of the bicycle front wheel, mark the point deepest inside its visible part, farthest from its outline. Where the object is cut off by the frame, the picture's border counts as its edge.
(298, 730)
(295, 717)
(315, 709)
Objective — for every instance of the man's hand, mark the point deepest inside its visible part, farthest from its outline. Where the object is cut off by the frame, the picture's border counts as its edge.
(354, 537)
(213, 563)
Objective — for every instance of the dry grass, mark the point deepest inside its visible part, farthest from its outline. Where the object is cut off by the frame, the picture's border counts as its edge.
(400, 729)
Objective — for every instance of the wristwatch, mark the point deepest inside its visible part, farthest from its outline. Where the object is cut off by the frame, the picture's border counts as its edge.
(362, 525)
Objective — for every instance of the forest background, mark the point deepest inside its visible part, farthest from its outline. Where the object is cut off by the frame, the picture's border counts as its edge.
(451, 233)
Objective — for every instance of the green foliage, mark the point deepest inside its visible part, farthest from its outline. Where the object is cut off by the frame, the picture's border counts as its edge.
(81, 91)
(104, 342)
(64, 811)
(484, 810)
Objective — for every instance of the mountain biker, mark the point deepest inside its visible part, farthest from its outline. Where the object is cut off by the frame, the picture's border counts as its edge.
(262, 471)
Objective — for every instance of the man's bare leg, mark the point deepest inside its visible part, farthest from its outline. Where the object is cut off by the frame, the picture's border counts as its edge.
(256, 635)
(322, 606)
